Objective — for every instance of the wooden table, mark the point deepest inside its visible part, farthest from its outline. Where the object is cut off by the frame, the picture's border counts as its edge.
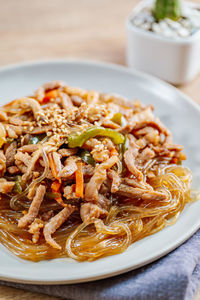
(86, 29)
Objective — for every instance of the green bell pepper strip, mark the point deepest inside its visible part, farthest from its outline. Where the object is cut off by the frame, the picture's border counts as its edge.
(119, 119)
(9, 140)
(51, 196)
(167, 9)
(18, 185)
(87, 157)
(77, 140)
(179, 162)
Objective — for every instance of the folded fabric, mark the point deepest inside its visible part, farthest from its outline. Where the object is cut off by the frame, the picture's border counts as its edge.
(173, 277)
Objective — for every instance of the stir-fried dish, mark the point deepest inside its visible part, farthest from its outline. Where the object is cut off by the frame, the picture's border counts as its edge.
(85, 174)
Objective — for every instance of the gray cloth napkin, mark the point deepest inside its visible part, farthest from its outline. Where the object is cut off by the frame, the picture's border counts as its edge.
(174, 277)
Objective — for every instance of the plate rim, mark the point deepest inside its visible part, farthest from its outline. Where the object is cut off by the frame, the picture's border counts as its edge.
(92, 62)
(117, 68)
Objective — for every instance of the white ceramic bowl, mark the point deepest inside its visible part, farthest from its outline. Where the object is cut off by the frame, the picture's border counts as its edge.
(174, 60)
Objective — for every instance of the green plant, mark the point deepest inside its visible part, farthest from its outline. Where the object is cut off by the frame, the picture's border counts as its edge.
(167, 9)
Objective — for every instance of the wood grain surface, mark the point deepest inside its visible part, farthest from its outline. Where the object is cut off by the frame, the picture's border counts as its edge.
(86, 29)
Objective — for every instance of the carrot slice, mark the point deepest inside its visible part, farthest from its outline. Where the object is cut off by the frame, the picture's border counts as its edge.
(55, 186)
(113, 152)
(53, 167)
(174, 160)
(50, 95)
(79, 181)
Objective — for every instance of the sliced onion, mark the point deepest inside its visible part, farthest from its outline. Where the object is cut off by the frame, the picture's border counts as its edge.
(2, 135)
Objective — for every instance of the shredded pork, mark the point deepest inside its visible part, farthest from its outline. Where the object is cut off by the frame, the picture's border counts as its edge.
(90, 211)
(55, 223)
(2, 163)
(34, 207)
(35, 228)
(130, 156)
(6, 186)
(69, 168)
(10, 154)
(138, 193)
(49, 155)
(93, 186)
(116, 180)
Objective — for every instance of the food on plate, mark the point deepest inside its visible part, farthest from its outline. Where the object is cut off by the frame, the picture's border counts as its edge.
(85, 174)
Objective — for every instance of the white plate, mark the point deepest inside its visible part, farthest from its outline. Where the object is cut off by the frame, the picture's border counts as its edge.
(178, 112)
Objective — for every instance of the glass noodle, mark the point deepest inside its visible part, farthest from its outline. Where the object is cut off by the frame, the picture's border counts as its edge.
(85, 174)
(125, 223)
